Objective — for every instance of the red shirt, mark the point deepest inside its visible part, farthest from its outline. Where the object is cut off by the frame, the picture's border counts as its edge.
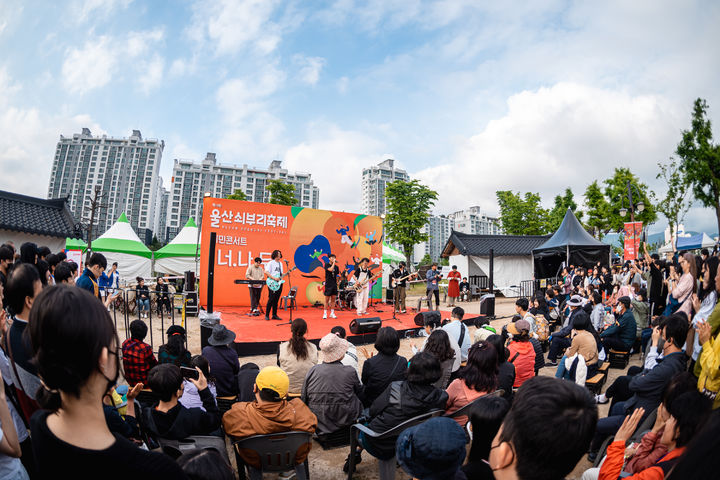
(138, 359)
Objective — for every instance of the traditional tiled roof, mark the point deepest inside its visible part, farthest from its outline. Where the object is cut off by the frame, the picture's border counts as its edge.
(21, 213)
(502, 245)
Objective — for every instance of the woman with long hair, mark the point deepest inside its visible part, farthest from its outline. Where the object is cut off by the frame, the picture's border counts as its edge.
(76, 353)
(486, 416)
(438, 345)
(506, 370)
(703, 303)
(477, 378)
(297, 356)
(174, 350)
(682, 289)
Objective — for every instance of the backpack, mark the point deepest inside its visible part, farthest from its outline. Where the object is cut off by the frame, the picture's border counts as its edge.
(542, 328)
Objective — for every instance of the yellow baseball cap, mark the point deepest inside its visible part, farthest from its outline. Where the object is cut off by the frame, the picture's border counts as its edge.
(275, 379)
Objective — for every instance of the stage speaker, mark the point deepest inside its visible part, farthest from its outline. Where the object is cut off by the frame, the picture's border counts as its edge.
(191, 307)
(487, 305)
(420, 317)
(190, 281)
(365, 325)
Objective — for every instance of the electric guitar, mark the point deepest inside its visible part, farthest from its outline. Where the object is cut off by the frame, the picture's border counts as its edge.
(360, 285)
(394, 281)
(275, 285)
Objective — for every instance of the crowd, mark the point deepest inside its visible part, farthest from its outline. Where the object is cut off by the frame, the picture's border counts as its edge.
(75, 401)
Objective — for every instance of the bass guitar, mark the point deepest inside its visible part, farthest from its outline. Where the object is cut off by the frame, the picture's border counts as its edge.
(275, 285)
(360, 285)
(394, 281)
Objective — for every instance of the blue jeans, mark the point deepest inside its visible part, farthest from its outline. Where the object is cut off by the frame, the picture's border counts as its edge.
(143, 304)
(608, 426)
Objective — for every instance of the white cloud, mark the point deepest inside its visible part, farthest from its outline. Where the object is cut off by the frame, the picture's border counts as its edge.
(153, 74)
(86, 9)
(181, 67)
(309, 68)
(342, 84)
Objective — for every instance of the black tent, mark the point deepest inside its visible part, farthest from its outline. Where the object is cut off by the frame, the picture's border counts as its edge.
(570, 244)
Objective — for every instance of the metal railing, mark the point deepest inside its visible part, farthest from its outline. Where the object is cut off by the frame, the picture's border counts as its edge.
(480, 280)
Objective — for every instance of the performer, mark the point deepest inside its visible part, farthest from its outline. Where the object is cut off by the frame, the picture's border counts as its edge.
(400, 291)
(361, 275)
(464, 289)
(453, 285)
(331, 287)
(274, 270)
(255, 272)
(433, 276)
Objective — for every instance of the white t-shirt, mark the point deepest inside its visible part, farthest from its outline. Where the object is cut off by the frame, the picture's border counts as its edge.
(274, 268)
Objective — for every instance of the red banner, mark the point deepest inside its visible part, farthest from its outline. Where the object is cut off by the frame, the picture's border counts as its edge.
(633, 237)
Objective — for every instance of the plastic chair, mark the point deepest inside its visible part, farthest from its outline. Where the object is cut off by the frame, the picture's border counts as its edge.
(465, 410)
(175, 448)
(277, 451)
(225, 403)
(387, 467)
(289, 298)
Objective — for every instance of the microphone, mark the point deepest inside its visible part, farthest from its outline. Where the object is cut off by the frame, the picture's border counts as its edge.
(286, 262)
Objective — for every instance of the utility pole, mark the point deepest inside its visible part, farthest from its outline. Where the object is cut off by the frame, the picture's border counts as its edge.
(94, 205)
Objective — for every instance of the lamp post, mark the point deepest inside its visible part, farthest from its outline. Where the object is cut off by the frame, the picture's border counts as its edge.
(640, 205)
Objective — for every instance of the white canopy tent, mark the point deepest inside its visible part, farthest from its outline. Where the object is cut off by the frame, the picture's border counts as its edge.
(122, 245)
(179, 256)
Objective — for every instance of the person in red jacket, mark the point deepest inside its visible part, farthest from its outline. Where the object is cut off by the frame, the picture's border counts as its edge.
(688, 413)
(522, 354)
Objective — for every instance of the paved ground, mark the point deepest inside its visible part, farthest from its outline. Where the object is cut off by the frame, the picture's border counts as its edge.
(327, 465)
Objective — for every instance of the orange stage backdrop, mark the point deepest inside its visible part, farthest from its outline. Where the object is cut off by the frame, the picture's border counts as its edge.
(305, 236)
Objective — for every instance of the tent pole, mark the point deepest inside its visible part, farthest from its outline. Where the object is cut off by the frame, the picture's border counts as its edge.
(491, 261)
(567, 255)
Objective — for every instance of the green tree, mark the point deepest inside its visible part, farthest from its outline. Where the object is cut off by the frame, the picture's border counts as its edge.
(521, 216)
(557, 213)
(444, 262)
(676, 202)
(155, 245)
(237, 195)
(597, 210)
(426, 260)
(281, 193)
(407, 206)
(616, 195)
(701, 159)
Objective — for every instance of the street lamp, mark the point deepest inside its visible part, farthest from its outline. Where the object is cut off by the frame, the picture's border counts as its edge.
(639, 206)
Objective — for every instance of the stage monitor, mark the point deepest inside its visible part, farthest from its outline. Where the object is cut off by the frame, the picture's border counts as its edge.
(365, 325)
(420, 317)
(487, 305)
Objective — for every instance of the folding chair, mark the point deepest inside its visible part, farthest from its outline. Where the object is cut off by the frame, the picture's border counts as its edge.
(277, 452)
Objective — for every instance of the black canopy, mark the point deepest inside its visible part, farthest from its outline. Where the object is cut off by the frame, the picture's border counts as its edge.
(570, 244)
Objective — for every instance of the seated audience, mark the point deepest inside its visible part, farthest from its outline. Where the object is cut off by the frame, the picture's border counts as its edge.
(432, 450)
(174, 350)
(709, 361)
(597, 317)
(647, 387)
(459, 332)
(331, 389)
(483, 330)
(686, 415)
(191, 396)
(486, 415)
(506, 370)
(438, 345)
(169, 419)
(270, 412)
(223, 360)
(205, 464)
(387, 366)
(246, 382)
(561, 339)
(162, 297)
(477, 378)
(138, 357)
(125, 424)
(465, 290)
(521, 352)
(623, 333)
(351, 357)
(142, 297)
(583, 344)
(700, 459)
(524, 449)
(297, 356)
(74, 338)
(430, 325)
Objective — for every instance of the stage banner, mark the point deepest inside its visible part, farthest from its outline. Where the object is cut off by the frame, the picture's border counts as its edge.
(633, 236)
(305, 236)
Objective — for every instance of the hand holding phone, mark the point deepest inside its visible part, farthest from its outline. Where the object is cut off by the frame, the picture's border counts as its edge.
(201, 382)
(189, 373)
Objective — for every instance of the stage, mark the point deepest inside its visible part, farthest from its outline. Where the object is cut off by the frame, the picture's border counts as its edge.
(257, 336)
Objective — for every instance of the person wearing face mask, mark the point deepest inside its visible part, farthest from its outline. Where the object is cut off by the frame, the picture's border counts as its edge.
(76, 352)
(622, 334)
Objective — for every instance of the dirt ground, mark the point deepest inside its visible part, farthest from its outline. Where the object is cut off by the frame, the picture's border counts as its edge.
(327, 464)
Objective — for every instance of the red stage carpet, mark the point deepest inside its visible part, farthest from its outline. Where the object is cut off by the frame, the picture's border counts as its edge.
(257, 336)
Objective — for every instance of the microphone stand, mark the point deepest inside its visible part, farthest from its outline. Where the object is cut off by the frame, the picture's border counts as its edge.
(293, 301)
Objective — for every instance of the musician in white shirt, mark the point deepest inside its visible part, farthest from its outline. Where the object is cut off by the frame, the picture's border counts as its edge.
(274, 270)
(362, 275)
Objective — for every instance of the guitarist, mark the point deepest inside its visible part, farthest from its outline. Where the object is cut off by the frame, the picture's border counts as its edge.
(362, 274)
(274, 270)
(400, 285)
(433, 277)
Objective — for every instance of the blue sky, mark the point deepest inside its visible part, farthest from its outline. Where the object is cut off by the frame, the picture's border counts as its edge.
(469, 96)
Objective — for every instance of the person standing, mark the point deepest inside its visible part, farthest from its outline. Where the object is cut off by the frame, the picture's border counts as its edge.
(362, 277)
(274, 270)
(331, 287)
(453, 285)
(432, 277)
(255, 272)
(400, 287)
(94, 268)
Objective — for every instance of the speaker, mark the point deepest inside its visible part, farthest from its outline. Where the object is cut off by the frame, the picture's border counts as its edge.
(190, 281)
(365, 325)
(191, 308)
(420, 317)
(487, 305)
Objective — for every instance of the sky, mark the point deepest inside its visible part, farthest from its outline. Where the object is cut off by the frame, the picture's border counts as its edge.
(468, 96)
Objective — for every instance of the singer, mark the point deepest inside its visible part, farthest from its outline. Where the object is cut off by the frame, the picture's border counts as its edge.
(331, 287)
(274, 270)
(433, 277)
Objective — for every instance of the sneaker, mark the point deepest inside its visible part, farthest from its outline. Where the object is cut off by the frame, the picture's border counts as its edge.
(551, 363)
(267, 318)
(332, 314)
(324, 315)
(403, 311)
(275, 317)
(598, 400)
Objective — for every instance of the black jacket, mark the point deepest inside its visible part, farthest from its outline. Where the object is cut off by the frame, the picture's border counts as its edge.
(399, 402)
(566, 330)
(378, 372)
(506, 378)
(180, 422)
(647, 388)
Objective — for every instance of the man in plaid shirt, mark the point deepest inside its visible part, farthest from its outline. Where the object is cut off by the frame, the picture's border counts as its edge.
(138, 357)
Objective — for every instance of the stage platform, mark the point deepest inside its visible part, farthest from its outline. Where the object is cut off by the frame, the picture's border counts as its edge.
(257, 336)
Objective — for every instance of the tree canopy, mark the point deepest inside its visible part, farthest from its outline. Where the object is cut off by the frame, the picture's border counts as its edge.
(407, 209)
(281, 193)
(616, 196)
(521, 216)
(237, 195)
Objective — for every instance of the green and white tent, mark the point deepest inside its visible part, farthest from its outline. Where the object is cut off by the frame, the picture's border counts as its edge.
(75, 244)
(391, 254)
(121, 244)
(178, 256)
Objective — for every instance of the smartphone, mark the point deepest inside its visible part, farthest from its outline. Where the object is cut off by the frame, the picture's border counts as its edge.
(189, 373)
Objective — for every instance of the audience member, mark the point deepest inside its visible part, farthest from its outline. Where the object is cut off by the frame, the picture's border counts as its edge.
(246, 382)
(526, 450)
(705, 301)
(205, 464)
(438, 345)
(351, 357)
(44, 271)
(521, 352)
(43, 252)
(138, 357)
(620, 336)
(432, 323)
(191, 396)
(10, 451)
(459, 332)
(709, 362)
(583, 344)
(522, 307)
(162, 297)
(477, 378)
(95, 266)
(433, 450)
(142, 297)
(640, 311)
(597, 317)
(223, 360)
(700, 460)
(506, 370)
(125, 424)
(384, 368)
(174, 350)
(331, 389)
(270, 412)
(486, 416)
(63, 274)
(297, 356)
(561, 339)
(29, 253)
(6, 260)
(75, 347)
(169, 419)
